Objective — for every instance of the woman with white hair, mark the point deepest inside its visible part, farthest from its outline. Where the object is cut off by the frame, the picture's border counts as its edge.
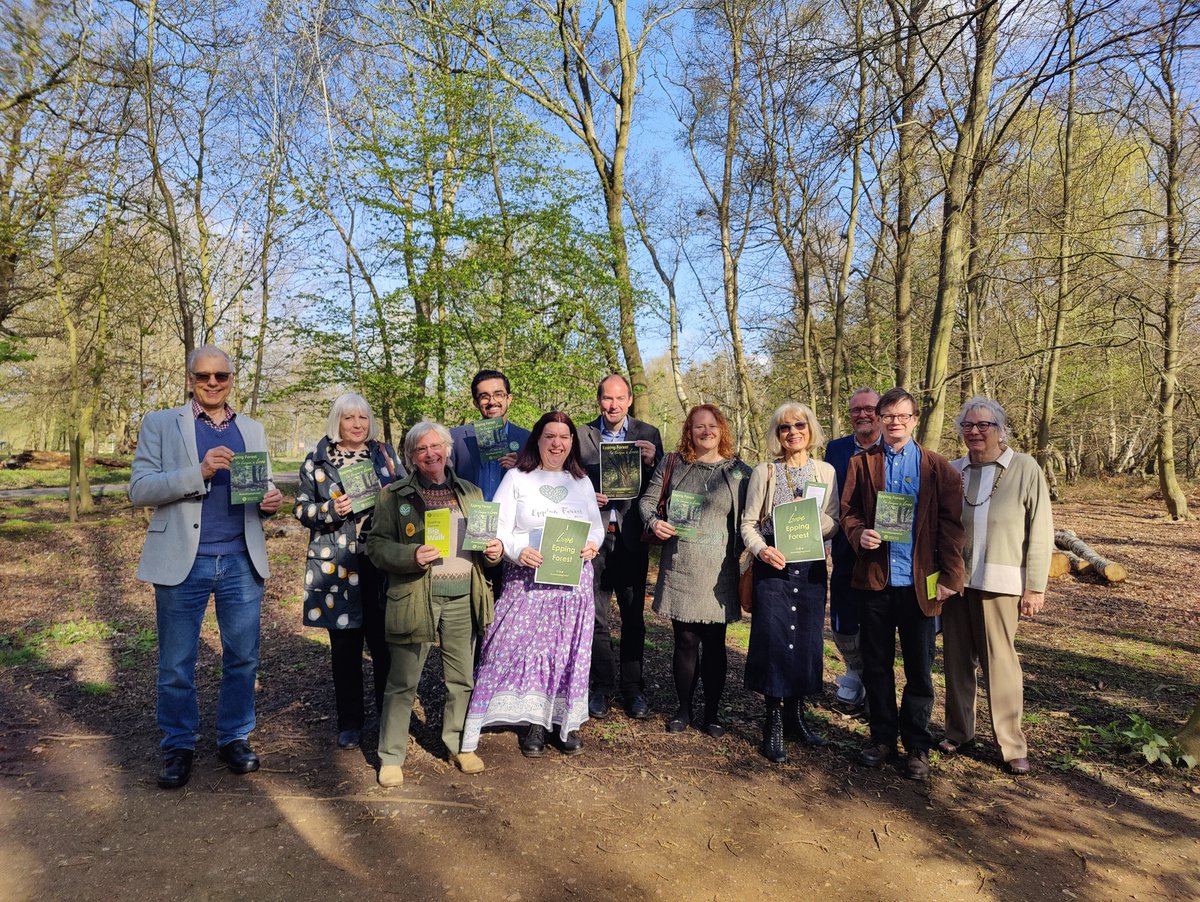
(1009, 539)
(784, 661)
(430, 597)
(343, 592)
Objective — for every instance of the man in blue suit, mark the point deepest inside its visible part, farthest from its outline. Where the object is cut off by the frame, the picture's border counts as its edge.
(492, 394)
(843, 602)
(199, 544)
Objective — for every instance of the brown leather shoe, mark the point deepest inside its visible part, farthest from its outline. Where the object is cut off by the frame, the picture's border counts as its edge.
(1018, 766)
(917, 767)
(949, 747)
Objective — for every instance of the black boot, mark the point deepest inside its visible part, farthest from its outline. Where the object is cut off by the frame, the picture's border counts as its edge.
(772, 745)
(797, 728)
(792, 711)
(533, 744)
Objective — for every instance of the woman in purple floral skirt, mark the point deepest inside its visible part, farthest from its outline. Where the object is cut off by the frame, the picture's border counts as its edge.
(534, 662)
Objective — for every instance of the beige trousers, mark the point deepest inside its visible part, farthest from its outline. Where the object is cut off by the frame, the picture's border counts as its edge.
(980, 629)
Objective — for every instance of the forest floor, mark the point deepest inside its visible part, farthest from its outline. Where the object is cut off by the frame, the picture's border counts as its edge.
(640, 814)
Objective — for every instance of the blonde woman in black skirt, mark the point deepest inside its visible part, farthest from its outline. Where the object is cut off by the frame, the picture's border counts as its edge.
(785, 658)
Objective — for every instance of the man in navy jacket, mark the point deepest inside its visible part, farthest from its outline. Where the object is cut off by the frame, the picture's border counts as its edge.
(843, 602)
(492, 394)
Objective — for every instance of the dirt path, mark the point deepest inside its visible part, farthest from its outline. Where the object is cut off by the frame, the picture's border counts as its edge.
(641, 814)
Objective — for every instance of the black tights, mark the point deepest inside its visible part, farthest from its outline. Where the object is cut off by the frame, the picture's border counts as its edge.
(689, 638)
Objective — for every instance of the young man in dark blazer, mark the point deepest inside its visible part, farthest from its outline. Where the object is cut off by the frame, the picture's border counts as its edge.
(620, 567)
(491, 394)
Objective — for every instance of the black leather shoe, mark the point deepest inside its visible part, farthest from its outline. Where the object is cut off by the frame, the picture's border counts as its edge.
(876, 755)
(917, 767)
(598, 704)
(349, 739)
(573, 744)
(637, 707)
(238, 756)
(176, 769)
(715, 729)
(678, 722)
(533, 745)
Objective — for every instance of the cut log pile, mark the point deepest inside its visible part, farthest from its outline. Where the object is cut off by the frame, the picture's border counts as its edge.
(55, 460)
(1076, 556)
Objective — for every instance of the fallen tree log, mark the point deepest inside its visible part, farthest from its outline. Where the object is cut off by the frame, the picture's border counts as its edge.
(1069, 542)
(1060, 564)
(1075, 562)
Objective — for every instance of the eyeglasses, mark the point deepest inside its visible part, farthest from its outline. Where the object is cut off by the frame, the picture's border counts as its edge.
(494, 396)
(859, 411)
(221, 378)
(790, 427)
(897, 417)
(429, 449)
(980, 427)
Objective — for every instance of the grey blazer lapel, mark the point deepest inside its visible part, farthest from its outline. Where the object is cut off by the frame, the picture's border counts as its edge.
(187, 432)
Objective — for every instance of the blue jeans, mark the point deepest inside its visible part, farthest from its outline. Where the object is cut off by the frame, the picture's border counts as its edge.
(238, 591)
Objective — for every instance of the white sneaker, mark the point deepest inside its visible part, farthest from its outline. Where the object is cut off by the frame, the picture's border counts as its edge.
(850, 689)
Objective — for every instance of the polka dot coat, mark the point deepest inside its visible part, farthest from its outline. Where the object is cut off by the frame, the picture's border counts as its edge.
(332, 596)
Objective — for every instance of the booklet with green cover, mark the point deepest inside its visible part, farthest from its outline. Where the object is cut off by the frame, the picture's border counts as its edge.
(493, 443)
(483, 519)
(798, 530)
(894, 516)
(562, 542)
(361, 483)
(620, 470)
(683, 512)
(437, 530)
(249, 474)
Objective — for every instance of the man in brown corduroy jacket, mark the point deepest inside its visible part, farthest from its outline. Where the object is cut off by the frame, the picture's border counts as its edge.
(902, 584)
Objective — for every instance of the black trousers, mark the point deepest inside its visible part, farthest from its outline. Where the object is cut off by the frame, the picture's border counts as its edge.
(346, 651)
(621, 572)
(884, 614)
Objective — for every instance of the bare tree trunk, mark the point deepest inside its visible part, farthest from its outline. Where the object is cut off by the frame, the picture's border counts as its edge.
(668, 280)
(837, 374)
(953, 256)
(907, 24)
(174, 236)
(1176, 500)
(1065, 274)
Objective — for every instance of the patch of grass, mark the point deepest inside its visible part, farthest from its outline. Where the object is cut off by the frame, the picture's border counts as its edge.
(739, 634)
(96, 689)
(15, 651)
(72, 632)
(613, 730)
(142, 641)
(37, 479)
(24, 529)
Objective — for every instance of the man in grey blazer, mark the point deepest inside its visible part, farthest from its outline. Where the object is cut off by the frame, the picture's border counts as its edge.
(620, 566)
(199, 544)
